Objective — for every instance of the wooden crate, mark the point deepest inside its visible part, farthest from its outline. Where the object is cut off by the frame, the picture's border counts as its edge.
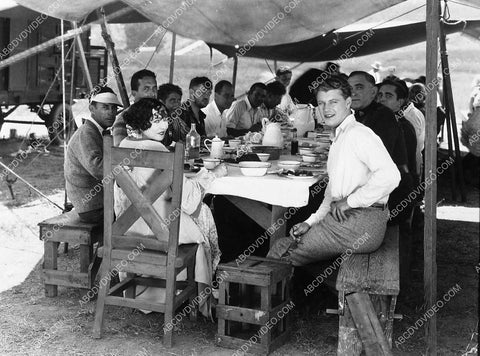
(68, 228)
(254, 304)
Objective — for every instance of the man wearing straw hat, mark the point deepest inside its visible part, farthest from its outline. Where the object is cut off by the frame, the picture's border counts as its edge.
(84, 161)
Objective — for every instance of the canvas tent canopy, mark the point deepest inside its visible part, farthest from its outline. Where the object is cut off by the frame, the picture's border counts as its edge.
(230, 22)
(287, 30)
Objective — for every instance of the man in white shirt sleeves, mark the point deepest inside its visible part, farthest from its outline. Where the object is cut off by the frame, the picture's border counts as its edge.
(354, 213)
(216, 120)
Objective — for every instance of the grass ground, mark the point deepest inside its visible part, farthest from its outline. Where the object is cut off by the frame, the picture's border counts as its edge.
(35, 325)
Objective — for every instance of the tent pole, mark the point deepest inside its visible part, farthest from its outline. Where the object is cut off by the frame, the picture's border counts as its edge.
(275, 65)
(235, 68)
(172, 57)
(72, 73)
(64, 119)
(447, 88)
(430, 226)
(113, 58)
(83, 59)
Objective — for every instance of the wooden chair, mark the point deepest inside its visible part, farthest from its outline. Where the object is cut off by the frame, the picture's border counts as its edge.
(161, 260)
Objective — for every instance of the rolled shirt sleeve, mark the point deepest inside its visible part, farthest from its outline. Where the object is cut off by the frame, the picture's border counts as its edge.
(323, 210)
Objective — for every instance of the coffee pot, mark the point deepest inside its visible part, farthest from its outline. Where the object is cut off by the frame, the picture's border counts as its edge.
(216, 150)
(272, 133)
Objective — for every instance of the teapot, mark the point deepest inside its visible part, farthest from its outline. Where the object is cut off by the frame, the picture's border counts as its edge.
(272, 133)
(216, 151)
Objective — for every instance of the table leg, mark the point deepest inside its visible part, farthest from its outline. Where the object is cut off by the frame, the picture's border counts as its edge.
(278, 223)
(273, 220)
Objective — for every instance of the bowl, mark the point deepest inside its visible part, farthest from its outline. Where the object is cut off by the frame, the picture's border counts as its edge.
(254, 168)
(322, 144)
(234, 143)
(263, 156)
(309, 157)
(210, 163)
(272, 150)
(289, 165)
(306, 150)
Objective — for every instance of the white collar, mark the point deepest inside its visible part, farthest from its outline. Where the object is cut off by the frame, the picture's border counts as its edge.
(345, 123)
(249, 106)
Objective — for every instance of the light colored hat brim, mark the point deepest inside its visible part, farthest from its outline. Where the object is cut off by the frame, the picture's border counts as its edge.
(107, 98)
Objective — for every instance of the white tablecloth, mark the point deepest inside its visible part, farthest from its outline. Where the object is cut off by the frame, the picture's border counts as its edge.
(270, 189)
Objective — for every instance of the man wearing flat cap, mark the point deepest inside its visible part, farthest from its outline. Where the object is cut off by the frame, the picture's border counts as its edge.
(84, 161)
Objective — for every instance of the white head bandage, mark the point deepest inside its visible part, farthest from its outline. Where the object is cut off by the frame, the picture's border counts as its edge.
(106, 98)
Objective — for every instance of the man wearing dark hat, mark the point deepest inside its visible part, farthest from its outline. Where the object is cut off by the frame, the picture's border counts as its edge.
(84, 160)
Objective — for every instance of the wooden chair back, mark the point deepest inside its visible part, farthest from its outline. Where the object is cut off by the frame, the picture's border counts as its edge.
(168, 175)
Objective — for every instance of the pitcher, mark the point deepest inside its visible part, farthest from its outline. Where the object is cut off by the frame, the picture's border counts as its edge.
(272, 134)
(216, 151)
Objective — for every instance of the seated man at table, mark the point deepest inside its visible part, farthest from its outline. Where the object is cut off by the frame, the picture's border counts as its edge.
(142, 85)
(199, 92)
(275, 91)
(216, 118)
(171, 96)
(246, 115)
(353, 214)
(84, 159)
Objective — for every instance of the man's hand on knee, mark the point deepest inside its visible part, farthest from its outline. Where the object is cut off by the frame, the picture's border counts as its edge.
(298, 230)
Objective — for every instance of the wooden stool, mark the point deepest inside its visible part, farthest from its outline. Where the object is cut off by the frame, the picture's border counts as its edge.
(368, 285)
(257, 322)
(68, 228)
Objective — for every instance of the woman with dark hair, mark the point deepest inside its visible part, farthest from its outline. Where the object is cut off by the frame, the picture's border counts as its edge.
(147, 123)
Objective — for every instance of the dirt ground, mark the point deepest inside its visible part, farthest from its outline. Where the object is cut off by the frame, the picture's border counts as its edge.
(32, 324)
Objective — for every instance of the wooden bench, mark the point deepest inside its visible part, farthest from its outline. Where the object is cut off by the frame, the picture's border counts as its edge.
(368, 286)
(68, 228)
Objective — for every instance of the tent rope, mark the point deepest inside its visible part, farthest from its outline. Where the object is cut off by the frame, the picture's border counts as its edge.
(156, 48)
(469, 5)
(30, 186)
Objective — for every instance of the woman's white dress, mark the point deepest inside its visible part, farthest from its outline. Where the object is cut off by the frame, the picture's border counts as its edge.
(196, 221)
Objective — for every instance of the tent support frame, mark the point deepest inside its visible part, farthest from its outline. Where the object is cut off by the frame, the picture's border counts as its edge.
(430, 225)
(113, 58)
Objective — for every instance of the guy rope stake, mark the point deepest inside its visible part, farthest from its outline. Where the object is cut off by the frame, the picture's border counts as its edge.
(30, 186)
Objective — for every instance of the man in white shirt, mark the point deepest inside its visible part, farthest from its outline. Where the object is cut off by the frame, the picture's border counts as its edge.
(353, 214)
(216, 120)
(246, 115)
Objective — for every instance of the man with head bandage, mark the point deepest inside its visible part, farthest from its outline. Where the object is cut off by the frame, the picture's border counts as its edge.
(84, 160)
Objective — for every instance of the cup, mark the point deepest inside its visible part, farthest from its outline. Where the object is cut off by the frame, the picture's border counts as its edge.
(234, 143)
(210, 163)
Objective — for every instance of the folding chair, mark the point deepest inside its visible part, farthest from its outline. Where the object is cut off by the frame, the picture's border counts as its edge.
(157, 258)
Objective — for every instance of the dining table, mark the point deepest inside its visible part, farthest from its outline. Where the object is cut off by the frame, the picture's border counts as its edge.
(269, 199)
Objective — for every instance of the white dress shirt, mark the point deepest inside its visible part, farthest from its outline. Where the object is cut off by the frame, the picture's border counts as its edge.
(359, 169)
(215, 122)
(242, 116)
(416, 118)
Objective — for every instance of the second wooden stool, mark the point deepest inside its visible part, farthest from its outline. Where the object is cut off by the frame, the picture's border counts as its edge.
(254, 305)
